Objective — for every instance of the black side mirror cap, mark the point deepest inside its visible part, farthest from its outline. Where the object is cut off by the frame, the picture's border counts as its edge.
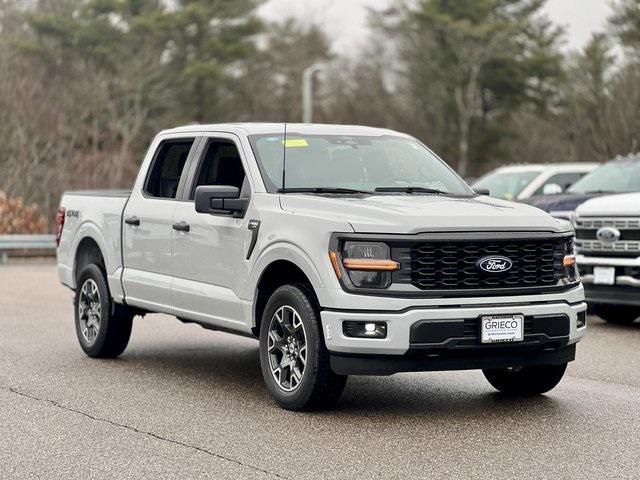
(482, 191)
(219, 199)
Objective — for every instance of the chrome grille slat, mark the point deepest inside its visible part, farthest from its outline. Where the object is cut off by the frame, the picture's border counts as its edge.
(621, 223)
(628, 226)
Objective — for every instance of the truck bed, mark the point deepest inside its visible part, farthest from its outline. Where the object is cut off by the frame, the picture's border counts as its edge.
(100, 193)
(95, 215)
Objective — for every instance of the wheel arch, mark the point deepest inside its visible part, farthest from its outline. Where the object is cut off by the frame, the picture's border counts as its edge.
(88, 251)
(275, 274)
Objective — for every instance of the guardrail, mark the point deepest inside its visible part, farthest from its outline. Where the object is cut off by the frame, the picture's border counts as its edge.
(25, 242)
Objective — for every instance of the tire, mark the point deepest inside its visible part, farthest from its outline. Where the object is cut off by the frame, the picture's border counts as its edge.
(293, 383)
(526, 381)
(110, 335)
(618, 314)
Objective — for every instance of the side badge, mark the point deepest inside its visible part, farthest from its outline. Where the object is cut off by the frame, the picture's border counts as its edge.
(254, 226)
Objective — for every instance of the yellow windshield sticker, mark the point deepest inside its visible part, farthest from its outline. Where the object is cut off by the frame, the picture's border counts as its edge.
(295, 142)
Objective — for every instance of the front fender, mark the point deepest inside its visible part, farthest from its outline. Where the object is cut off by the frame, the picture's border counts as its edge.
(288, 252)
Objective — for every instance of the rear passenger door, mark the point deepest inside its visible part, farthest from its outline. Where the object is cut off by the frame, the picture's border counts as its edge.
(147, 225)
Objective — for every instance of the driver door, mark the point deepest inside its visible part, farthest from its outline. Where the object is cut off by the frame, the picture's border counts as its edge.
(208, 250)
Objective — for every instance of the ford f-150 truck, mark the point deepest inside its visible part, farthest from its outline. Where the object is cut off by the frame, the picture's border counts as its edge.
(608, 246)
(344, 250)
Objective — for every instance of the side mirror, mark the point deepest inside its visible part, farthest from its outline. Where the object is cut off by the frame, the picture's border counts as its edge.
(219, 199)
(551, 189)
(482, 191)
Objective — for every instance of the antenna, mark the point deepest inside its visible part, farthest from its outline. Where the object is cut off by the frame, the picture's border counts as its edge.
(284, 157)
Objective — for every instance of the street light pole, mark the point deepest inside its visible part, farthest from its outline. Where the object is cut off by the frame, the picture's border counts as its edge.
(307, 91)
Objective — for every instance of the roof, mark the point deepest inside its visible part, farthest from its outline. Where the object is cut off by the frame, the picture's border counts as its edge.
(267, 128)
(543, 167)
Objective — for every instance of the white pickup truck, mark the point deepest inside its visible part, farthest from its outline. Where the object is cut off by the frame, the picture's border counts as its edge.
(344, 250)
(608, 246)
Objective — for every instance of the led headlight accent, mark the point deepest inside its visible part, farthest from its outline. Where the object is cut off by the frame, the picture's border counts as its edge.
(368, 264)
(569, 263)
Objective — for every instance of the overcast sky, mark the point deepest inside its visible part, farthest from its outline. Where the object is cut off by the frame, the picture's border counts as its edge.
(345, 20)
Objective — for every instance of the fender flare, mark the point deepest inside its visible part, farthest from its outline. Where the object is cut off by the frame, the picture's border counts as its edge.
(90, 230)
(279, 251)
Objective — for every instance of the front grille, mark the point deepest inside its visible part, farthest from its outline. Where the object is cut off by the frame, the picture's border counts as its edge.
(452, 265)
(627, 245)
(621, 223)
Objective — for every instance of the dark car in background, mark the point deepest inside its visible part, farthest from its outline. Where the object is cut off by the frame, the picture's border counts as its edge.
(621, 175)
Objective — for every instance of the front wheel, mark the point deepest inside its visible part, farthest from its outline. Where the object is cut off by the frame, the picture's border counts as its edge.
(293, 357)
(526, 380)
(618, 314)
(103, 327)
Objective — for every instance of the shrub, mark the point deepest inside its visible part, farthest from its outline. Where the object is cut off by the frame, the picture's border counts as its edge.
(16, 217)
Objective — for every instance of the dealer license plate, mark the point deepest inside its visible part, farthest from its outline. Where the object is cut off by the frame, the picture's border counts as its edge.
(604, 275)
(502, 328)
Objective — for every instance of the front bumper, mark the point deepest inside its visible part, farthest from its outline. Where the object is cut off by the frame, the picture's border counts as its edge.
(625, 291)
(473, 359)
(399, 325)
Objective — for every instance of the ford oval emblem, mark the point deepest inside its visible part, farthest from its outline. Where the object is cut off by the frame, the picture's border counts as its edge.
(608, 234)
(495, 264)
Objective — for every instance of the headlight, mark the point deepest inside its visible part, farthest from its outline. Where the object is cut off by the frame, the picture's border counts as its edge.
(569, 263)
(368, 264)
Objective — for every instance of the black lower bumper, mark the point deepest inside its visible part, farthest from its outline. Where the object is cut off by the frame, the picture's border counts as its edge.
(483, 357)
(612, 294)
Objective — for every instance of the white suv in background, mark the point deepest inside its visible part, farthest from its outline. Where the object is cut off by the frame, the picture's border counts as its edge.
(519, 182)
(608, 244)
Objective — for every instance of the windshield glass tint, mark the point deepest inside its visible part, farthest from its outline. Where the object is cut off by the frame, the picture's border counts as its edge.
(353, 162)
(621, 176)
(506, 185)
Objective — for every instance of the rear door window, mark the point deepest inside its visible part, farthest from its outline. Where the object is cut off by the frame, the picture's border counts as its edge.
(167, 167)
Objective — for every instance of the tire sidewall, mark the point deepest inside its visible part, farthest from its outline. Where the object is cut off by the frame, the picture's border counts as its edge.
(96, 274)
(298, 299)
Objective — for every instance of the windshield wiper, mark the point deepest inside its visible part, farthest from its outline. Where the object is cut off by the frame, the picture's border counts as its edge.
(434, 191)
(323, 190)
(597, 192)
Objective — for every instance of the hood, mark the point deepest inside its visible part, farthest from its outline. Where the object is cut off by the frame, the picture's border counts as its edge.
(622, 205)
(421, 213)
(562, 202)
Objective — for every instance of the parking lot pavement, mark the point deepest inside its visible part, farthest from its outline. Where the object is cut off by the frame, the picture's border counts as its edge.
(183, 402)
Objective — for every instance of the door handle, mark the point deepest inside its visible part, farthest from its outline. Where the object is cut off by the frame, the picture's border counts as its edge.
(181, 227)
(135, 221)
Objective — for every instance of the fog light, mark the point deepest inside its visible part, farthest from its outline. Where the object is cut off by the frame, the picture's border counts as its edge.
(582, 320)
(364, 329)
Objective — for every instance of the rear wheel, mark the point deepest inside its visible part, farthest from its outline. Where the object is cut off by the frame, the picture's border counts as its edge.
(103, 327)
(526, 380)
(293, 357)
(619, 314)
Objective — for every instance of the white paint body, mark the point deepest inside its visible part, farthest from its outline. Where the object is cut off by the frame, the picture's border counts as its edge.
(203, 274)
(621, 211)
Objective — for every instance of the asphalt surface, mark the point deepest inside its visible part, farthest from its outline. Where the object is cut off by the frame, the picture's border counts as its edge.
(183, 402)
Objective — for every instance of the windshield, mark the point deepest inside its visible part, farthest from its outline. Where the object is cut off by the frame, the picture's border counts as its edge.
(620, 176)
(507, 185)
(362, 163)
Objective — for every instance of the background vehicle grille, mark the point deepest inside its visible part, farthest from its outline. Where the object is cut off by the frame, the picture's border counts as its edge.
(452, 265)
(587, 236)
